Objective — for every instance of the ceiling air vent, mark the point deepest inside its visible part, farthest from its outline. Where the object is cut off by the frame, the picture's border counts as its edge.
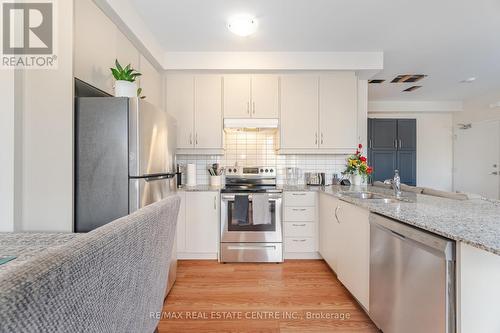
(412, 88)
(408, 78)
(376, 81)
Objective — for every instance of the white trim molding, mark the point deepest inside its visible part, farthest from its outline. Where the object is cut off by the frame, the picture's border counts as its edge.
(366, 64)
(415, 106)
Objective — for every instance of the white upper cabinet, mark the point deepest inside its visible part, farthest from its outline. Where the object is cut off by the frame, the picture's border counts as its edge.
(299, 112)
(208, 112)
(338, 116)
(237, 96)
(180, 104)
(265, 96)
(195, 101)
(248, 96)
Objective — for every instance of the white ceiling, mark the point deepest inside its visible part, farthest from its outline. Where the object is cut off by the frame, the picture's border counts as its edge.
(449, 40)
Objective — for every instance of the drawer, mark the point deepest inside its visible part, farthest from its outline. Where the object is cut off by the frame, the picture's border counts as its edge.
(298, 214)
(251, 252)
(299, 199)
(299, 229)
(300, 244)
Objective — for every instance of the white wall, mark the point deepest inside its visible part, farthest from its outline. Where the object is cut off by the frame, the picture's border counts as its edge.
(44, 143)
(434, 147)
(7, 151)
(98, 42)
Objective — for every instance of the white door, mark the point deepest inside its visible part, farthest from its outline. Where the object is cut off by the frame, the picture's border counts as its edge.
(477, 159)
(180, 104)
(237, 96)
(265, 96)
(202, 222)
(208, 111)
(299, 111)
(328, 229)
(353, 266)
(338, 114)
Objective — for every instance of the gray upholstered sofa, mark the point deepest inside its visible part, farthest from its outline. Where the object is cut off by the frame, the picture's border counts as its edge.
(111, 279)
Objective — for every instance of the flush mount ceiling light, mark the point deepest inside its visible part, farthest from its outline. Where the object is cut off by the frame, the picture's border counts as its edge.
(468, 80)
(242, 25)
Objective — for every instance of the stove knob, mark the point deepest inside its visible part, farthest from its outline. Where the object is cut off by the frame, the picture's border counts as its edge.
(229, 170)
(267, 170)
(234, 170)
(271, 170)
(261, 170)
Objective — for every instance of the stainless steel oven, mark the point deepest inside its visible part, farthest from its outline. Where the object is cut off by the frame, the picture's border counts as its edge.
(249, 240)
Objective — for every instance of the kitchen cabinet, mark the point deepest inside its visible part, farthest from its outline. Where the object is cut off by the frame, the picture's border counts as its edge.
(180, 235)
(198, 225)
(253, 96)
(338, 116)
(353, 265)
(319, 114)
(195, 101)
(300, 225)
(329, 233)
(299, 112)
(392, 144)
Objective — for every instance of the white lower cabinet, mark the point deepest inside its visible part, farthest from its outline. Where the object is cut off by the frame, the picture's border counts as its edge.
(198, 225)
(345, 244)
(300, 225)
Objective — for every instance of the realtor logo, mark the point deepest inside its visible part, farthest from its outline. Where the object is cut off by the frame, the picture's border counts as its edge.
(28, 35)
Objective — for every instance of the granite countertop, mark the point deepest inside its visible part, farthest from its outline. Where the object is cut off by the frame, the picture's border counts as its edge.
(475, 222)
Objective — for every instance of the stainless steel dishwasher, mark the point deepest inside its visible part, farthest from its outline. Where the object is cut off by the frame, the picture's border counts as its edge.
(412, 278)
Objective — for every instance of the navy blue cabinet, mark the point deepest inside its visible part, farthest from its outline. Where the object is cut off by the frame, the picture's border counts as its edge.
(392, 144)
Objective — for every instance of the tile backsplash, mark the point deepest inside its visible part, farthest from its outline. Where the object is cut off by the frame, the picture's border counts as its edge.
(257, 148)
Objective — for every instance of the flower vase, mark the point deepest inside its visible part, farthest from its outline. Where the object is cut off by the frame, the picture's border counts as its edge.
(356, 179)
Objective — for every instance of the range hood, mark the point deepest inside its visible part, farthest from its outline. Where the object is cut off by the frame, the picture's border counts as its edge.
(251, 123)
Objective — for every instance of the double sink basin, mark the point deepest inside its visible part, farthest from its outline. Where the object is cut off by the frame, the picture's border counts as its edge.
(372, 197)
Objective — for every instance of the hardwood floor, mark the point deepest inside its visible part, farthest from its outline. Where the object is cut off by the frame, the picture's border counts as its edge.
(289, 297)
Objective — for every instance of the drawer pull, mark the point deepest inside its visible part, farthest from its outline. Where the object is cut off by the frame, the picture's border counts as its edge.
(299, 240)
(298, 209)
(298, 194)
(299, 225)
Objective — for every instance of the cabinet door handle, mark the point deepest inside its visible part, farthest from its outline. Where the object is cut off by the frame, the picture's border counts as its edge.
(299, 240)
(336, 216)
(298, 209)
(299, 225)
(215, 202)
(400, 143)
(190, 138)
(370, 144)
(316, 141)
(253, 104)
(248, 107)
(301, 194)
(396, 143)
(321, 137)
(196, 138)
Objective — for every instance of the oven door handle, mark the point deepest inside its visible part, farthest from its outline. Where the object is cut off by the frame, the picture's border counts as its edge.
(250, 247)
(231, 197)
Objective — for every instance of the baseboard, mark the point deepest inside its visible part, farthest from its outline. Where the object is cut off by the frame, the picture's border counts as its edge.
(302, 255)
(196, 256)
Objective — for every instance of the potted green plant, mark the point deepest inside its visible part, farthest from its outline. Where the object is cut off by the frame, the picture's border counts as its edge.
(357, 167)
(125, 85)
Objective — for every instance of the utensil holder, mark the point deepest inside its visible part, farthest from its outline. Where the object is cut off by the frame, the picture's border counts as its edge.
(215, 180)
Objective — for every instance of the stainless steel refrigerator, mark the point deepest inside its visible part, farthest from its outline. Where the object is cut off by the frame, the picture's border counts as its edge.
(124, 159)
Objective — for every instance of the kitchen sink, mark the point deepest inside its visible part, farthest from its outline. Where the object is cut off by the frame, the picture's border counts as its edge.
(362, 195)
(373, 197)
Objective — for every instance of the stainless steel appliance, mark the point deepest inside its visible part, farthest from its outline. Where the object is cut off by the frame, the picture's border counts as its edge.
(124, 159)
(251, 241)
(315, 178)
(412, 279)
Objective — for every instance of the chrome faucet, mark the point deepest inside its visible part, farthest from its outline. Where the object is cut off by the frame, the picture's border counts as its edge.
(396, 183)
